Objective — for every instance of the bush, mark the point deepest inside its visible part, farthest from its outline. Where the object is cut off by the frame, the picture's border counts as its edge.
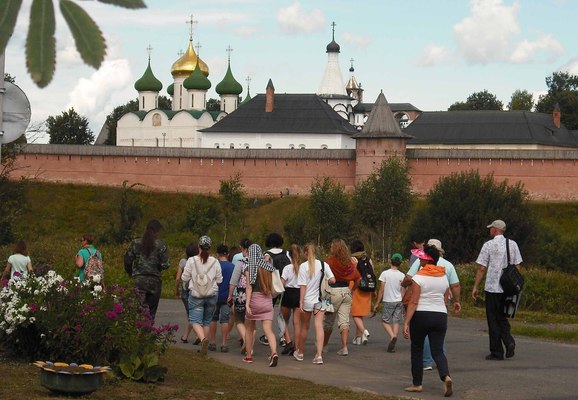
(460, 206)
(51, 318)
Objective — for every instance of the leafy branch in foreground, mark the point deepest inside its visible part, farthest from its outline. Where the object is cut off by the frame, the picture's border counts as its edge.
(41, 43)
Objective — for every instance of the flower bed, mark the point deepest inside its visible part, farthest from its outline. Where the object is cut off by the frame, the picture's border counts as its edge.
(48, 317)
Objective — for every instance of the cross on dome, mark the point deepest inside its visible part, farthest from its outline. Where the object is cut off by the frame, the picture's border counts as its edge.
(333, 25)
(229, 50)
(191, 22)
(149, 50)
(198, 47)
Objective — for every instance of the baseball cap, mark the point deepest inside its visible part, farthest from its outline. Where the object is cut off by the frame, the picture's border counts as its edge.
(498, 224)
(437, 244)
(397, 256)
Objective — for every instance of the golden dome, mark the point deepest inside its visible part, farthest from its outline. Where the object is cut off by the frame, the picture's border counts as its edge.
(185, 65)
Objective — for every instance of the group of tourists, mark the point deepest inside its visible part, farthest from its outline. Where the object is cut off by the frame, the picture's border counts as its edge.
(245, 285)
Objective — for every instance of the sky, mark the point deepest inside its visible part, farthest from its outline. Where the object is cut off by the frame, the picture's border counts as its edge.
(427, 53)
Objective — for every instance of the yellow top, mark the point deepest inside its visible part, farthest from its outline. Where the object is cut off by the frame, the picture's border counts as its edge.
(185, 65)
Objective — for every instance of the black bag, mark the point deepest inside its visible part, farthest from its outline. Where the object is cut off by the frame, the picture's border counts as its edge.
(512, 281)
(368, 282)
(280, 260)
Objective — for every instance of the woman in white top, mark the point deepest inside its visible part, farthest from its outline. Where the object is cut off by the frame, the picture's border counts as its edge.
(202, 306)
(309, 279)
(19, 262)
(290, 299)
(427, 316)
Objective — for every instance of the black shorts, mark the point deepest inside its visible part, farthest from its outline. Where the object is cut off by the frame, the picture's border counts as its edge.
(290, 298)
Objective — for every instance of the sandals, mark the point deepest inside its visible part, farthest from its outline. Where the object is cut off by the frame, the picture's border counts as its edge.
(184, 340)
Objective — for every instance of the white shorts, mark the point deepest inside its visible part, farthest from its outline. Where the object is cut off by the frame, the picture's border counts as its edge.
(309, 307)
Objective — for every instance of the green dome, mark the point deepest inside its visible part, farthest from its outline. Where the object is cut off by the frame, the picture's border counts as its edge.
(229, 85)
(197, 80)
(148, 82)
(247, 98)
(171, 89)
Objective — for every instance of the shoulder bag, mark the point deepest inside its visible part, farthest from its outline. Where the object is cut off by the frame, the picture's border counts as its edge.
(512, 281)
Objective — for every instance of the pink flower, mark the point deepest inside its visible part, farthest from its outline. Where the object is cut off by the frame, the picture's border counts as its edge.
(117, 308)
(33, 307)
(111, 315)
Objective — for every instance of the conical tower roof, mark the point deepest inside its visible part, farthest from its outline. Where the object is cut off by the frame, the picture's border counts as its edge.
(148, 82)
(197, 80)
(381, 122)
(186, 64)
(229, 85)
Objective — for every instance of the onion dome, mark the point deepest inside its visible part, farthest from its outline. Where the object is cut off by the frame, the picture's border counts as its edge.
(229, 85)
(171, 89)
(148, 82)
(333, 47)
(197, 80)
(247, 97)
(185, 65)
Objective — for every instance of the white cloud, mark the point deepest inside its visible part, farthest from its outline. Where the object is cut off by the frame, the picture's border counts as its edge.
(246, 31)
(357, 40)
(486, 35)
(294, 19)
(106, 88)
(433, 55)
(547, 49)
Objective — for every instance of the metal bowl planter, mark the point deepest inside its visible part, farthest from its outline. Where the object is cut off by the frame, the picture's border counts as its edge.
(70, 379)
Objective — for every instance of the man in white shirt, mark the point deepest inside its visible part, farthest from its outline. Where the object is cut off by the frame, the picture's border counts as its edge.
(493, 259)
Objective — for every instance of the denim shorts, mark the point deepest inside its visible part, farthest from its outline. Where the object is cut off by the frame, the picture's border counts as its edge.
(222, 313)
(201, 309)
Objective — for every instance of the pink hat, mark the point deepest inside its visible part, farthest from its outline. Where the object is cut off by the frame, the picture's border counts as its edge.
(419, 253)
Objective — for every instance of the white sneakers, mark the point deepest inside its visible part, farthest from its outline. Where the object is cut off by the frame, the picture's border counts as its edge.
(298, 356)
(318, 360)
(357, 340)
(343, 352)
(364, 337)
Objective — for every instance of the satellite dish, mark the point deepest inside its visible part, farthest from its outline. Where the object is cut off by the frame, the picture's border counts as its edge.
(15, 113)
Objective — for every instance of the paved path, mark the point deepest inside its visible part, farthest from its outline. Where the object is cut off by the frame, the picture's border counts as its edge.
(540, 369)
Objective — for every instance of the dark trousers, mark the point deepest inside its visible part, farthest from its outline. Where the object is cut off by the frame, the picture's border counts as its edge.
(434, 325)
(149, 288)
(498, 325)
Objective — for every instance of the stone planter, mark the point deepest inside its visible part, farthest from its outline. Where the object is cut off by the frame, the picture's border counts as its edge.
(70, 379)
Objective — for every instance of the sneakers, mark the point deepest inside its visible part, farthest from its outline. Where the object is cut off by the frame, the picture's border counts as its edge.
(224, 349)
(263, 340)
(448, 387)
(318, 360)
(428, 368)
(491, 357)
(414, 388)
(343, 352)
(364, 337)
(282, 342)
(289, 348)
(357, 340)
(248, 360)
(204, 346)
(212, 347)
(273, 360)
(510, 349)
(297, 355)
(391, 345)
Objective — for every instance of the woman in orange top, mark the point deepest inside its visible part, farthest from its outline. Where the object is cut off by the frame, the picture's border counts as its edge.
(361, 304)
(343, 267)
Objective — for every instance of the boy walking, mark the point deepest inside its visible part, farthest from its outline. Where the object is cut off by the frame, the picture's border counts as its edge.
(390, 292)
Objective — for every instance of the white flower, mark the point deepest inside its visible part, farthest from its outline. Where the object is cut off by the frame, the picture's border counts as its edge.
(96, 278)
(9, 331)
(97, 289)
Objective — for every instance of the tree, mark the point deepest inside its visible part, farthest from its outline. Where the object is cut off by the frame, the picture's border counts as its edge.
(483, 100)
(232, 193)
(562, 90)
(384, 199)
(460, 206)
(202, 213)
(521, 100)
(213, 105)
(330, 210)
(41, 43)
(130, 213)
(69, 128)
(9, 78)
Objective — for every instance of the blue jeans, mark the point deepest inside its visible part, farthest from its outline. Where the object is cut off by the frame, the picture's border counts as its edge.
(201, 309)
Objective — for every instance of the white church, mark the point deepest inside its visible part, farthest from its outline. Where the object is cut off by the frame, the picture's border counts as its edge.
(325, 120)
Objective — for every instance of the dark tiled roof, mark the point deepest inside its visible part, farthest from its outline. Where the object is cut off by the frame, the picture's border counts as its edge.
(395, 107)
(489, 127)
(292, 113)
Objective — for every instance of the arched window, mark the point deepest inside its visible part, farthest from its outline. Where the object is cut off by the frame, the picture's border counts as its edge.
(232, 146)
(324, 147)
(217, 145)
(268, 146)
(292, 146)
(302, 146)
(246, 145)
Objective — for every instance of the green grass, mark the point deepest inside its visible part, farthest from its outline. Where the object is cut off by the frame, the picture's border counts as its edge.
(190, 376)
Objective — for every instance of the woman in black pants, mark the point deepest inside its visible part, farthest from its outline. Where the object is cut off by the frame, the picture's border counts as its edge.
(427, 316)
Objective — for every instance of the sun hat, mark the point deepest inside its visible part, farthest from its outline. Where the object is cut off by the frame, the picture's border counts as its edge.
(205, 242)
(437, 244)
(397, 256)
(498, 224)
(419, 253)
